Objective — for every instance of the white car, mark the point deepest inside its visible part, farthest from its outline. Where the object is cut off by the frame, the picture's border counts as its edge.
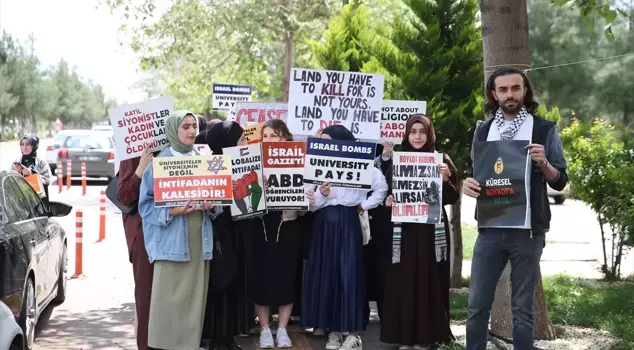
(558, 196)
(11, 336)
(52, 151)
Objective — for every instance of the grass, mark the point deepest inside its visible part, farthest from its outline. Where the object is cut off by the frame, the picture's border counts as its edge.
(469, 235)
(591, 304)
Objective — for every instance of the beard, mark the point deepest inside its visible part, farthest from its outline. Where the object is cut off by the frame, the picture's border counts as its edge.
(511, 110)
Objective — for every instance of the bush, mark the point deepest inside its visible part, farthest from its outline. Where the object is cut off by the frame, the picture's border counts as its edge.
(601, 171)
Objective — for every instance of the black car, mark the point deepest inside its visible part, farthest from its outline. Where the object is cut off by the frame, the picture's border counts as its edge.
(32, 252)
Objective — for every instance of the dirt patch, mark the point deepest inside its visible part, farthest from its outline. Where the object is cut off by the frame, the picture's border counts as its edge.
(568, 338)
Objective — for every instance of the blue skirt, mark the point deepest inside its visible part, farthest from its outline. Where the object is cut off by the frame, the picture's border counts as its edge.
(334, 289)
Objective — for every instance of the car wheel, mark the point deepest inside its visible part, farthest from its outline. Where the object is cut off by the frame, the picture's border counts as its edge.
(62, 279)
(559, 199)
(27, 315)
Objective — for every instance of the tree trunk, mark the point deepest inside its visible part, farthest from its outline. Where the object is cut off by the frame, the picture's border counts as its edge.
(502, 318)
(456, 241)
(289, 60)
(505, 43)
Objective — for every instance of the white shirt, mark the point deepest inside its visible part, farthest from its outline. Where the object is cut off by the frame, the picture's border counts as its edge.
(524, 133)
(350, 197)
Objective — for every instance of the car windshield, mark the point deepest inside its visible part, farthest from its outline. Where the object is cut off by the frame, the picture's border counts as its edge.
(94, 140)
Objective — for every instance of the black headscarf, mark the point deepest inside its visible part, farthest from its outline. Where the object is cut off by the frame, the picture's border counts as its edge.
(29, 160)
(201, 138)
(222, 135)
(202, 123)
(339, 132)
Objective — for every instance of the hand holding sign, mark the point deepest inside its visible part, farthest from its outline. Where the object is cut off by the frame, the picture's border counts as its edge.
(389, 200)
(310, 195)
(471, 187)
(146, 158)
(184, 210)
(325, 189)
(444, 171)
(208, 206)
(388, 148)
(537, 152)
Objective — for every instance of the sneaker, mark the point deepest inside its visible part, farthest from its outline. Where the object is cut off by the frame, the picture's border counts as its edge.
(352, 342)
(334, 341)
(266, 339)
(319, 332)
(283, 341)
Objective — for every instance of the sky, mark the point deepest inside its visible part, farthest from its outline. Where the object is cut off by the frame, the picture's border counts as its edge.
(85, 35)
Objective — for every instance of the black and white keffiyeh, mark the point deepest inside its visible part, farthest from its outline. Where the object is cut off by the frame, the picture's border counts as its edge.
(510, 132)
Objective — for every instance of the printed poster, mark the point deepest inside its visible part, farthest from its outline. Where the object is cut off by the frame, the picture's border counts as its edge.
(346, 164)
(417, 187)
(248, 183)
(283, 164)
(199, 178)
(225, 96)
(138, 124)
(503, 170)
(245, 113)
(394, 116)
(204, 150)
(320, 98)
(252, 133)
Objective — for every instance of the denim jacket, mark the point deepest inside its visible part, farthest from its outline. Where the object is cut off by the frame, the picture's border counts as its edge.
(166, 236)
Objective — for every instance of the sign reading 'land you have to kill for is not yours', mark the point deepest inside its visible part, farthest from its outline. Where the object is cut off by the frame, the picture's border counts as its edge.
(320, 98)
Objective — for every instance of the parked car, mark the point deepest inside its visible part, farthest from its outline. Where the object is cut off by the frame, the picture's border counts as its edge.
(95, 148)
(102, 128)
(558, 196)
(33, 249)
(11, 335)
(52, 151)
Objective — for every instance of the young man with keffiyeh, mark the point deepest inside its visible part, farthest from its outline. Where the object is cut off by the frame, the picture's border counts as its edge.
(510, 100)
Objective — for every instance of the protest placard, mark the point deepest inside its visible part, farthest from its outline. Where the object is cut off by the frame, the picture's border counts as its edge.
(283, 166)
(139, 124)
(417, 187)
(204, 150)
(502, 168)
(225, 96)
(252, 133)
(199, 178)
(248, 184)
(394, 116)
(341, 163)
(245, 113)
(320, 98)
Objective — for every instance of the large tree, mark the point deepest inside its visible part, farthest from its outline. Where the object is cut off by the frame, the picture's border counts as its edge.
(435, 52)
(195, 43)
(505, 43)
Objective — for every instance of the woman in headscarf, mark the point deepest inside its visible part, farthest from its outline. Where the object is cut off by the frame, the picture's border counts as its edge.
(230, 310)
(334, 288)
(416, 299)
(29, 163)
(179, 241)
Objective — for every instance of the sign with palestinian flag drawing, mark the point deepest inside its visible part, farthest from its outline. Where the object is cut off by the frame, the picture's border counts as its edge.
(247, 181)
(503, 170)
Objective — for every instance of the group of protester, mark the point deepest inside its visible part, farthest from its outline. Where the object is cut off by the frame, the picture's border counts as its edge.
(201, 278)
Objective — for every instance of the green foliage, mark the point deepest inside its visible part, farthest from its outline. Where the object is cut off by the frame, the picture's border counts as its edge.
(192, 44)
(29, 94)
(604, 306)
(570, 71)
(589, 10)
(435, 51)
(601, 172)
